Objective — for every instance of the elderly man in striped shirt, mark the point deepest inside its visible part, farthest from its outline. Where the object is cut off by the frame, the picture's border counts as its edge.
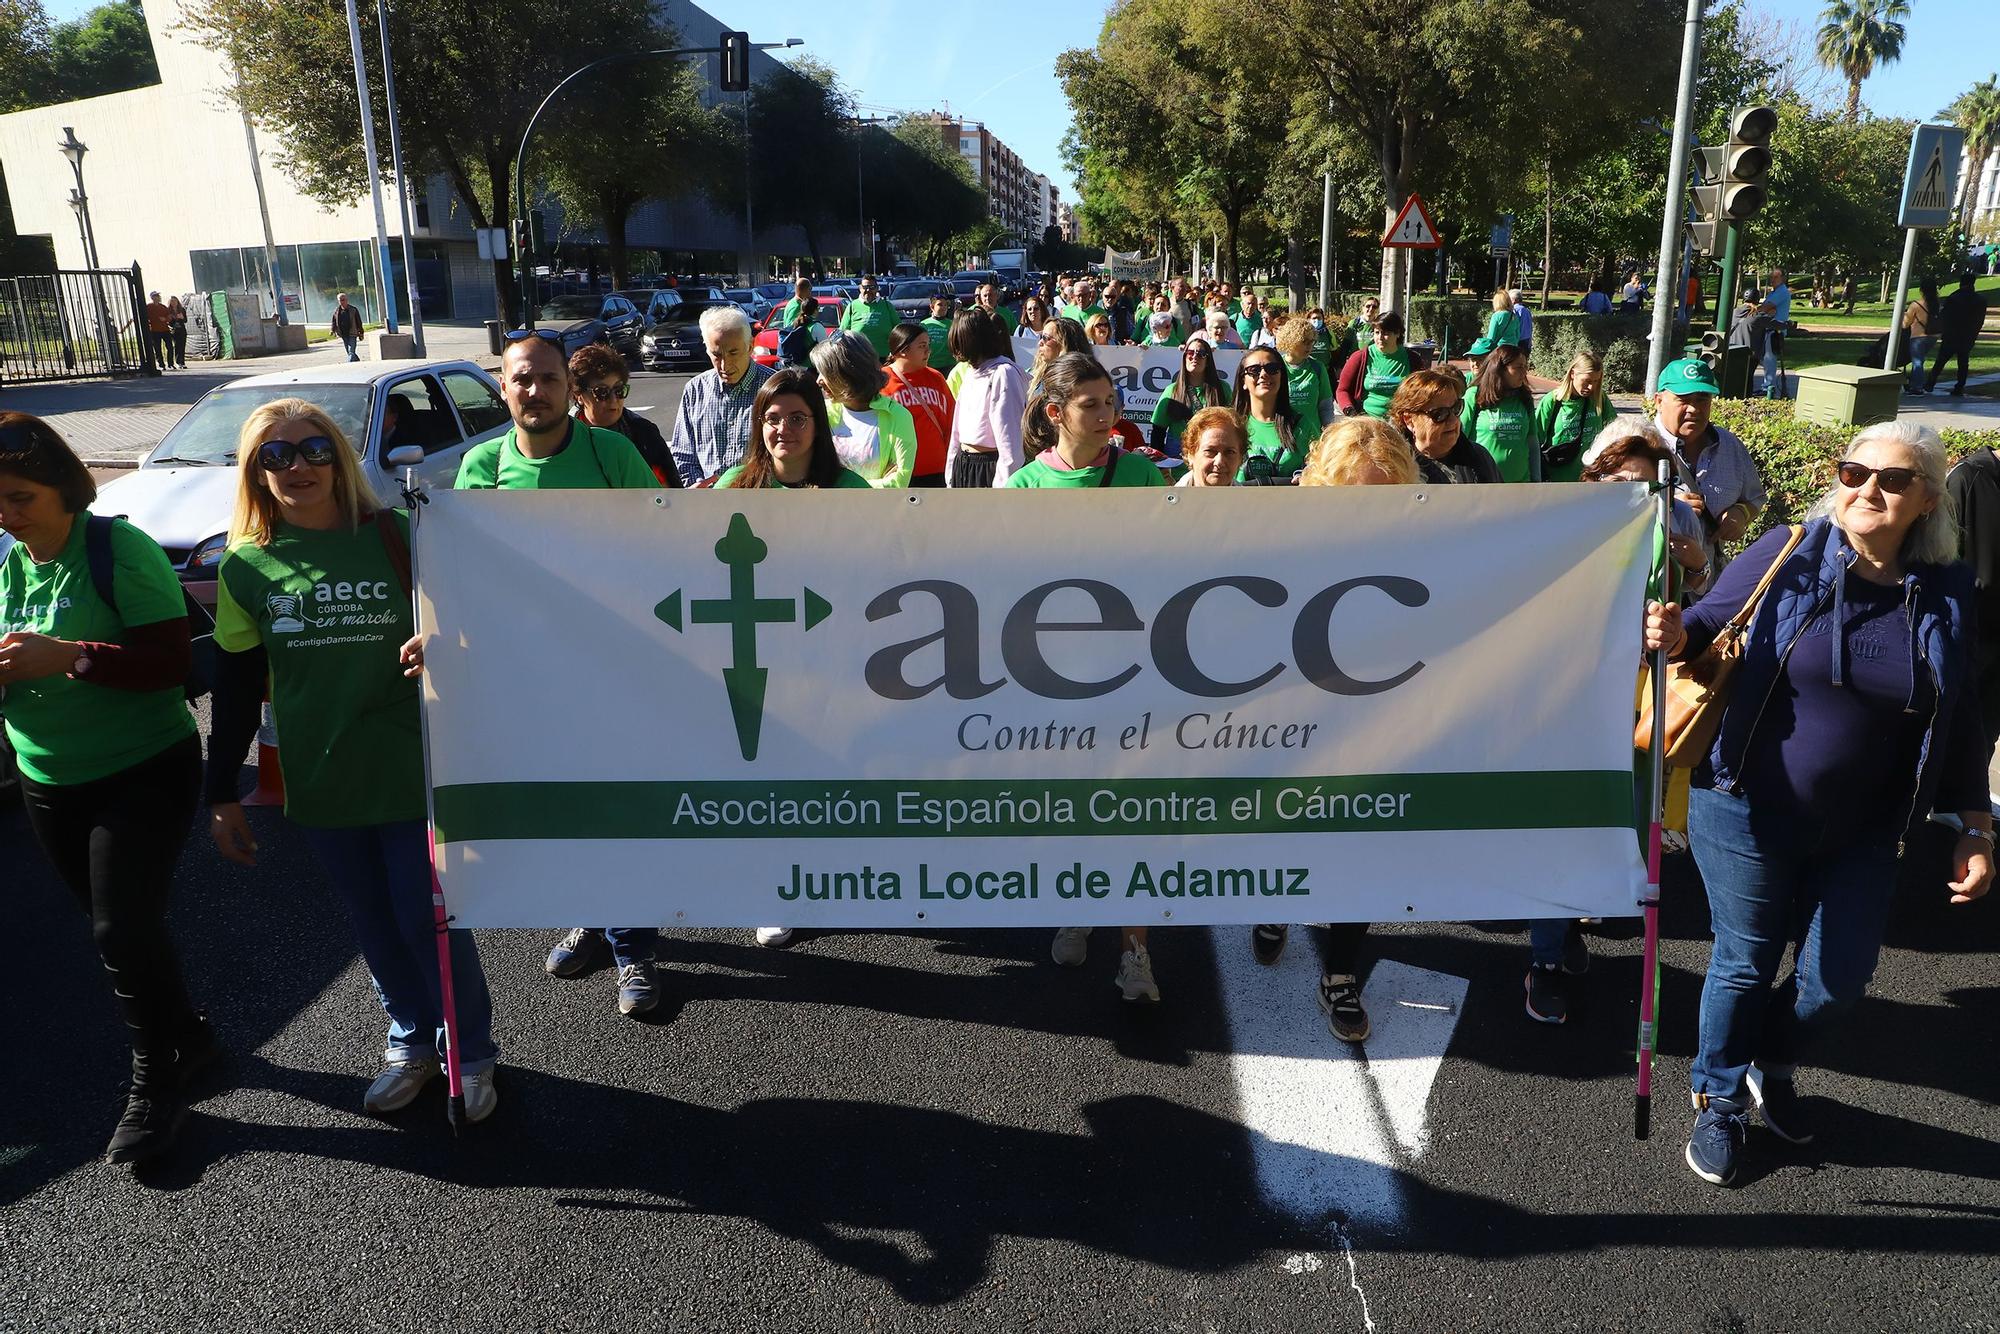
(712, 429)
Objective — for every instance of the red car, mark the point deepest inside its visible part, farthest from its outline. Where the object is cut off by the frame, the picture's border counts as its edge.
(764, 347)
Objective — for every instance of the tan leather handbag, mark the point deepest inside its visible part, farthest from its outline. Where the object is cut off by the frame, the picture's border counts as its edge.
(1698, 689)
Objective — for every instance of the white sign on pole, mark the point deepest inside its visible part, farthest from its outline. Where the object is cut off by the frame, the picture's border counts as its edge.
(897, 709)
(1930, 180)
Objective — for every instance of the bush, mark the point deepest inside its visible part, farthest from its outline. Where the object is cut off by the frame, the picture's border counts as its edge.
(1431, 317)
(1620, 340)
(1796, 458)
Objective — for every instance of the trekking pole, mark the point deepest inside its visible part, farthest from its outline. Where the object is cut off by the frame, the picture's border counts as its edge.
(454, 1107)
(1649, 978)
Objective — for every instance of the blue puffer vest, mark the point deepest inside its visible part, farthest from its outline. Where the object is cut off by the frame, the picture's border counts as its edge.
(1937, 601)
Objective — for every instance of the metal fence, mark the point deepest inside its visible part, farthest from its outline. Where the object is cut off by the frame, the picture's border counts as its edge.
(75, 324)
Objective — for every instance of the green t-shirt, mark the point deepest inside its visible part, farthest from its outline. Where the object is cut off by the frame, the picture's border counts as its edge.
(1082, 314)
(1005, 316)
(1382, 377)
(66, 731)
(1506, 431)
(940, 332)
(1165, 414)
(1561, 418)
(873, 320)
(848, 480)
(1130, 470)
(1309, 387)
(592, 459)
(791, 313)
(1503, 327)
(1248, 327)
(1265, 442)
(331, 614)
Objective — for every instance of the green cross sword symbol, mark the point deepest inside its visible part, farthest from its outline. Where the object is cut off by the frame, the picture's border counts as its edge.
(743, 611)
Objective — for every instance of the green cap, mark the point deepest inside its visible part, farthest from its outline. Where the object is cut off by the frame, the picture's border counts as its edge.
(1480, 347)
(1690, 375)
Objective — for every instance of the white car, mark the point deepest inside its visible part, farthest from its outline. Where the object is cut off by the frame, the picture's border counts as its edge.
(183, 492)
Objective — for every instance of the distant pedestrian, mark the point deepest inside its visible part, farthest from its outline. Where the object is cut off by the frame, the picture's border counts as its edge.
(1596, 301)
(1920, 317)
(1959, 322)
(1633, 295)
(937, 331)
(1524, 320)
(159, 328)
(1777, 306)
(177, 332)
(872, 316)
(347, 326)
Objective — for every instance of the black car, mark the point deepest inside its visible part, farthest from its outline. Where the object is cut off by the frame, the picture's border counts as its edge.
(655, 303)
(966, 281)
(912, 297)
(618, 322)
(674, 344)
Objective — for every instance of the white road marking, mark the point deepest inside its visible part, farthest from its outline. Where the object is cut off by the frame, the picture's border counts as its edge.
(1330, 1127)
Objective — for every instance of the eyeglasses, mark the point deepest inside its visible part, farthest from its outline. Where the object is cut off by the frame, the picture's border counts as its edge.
(1259, 370)
(796, 421)
(1895, 481)
(604, 393)
(1440, 414)
(549, 336)
(278, 455)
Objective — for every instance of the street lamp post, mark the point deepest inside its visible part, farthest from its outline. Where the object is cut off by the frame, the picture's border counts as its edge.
(73, 149)
(402, 182)
(382, 261)
(527, 273)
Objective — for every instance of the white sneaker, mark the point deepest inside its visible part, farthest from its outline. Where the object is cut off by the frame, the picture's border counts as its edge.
(1135, 977)
(480, 1095)
(1673, 842)
(1072, 945)
(398, 1085)
(774, 937)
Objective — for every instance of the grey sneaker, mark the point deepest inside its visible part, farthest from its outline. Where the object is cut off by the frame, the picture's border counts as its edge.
(480, 1095)
(398, 1085)
(637, 991)
(1071, 946)
(1340, 998)
(1135, 977)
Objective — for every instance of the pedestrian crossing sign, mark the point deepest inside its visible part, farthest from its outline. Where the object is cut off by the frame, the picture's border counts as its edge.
(1412, 229)
(1930, 182)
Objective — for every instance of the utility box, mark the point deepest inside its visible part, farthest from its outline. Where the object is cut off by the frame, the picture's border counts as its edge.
(1848, 395)
(385, 346)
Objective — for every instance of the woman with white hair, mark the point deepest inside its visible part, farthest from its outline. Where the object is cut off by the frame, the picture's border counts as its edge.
(872, 433)
(1852, 718)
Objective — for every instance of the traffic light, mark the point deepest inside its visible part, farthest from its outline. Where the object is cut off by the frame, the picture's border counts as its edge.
(1730, 178)
(522, 245)
(735, 61)
(1712, 344)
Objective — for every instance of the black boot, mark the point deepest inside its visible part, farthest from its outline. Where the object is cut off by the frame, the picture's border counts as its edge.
(196, 1052)
(153, 1112)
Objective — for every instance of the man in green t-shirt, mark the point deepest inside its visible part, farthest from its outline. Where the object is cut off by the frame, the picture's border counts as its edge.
(987, 297)
(548, 450)
(1083, 303)
(802, 291)
(872, 317)
(938, 326)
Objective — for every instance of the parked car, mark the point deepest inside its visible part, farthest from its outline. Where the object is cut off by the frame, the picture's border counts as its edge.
(753, 302)
(621, 321)
(912, 299)
(674, 344)
(776, 293)
(654, 303)
(764, 347)
(181, 495)
(966, 281)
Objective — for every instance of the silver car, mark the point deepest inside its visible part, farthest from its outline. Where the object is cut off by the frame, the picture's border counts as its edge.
(182, 494)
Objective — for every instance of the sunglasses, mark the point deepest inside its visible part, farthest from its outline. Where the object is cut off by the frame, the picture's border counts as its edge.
(278, 455)
(1260, 370)
(1895, 481)
(1441, 414)
(1194, 352)
(604, 393)
(549, 336)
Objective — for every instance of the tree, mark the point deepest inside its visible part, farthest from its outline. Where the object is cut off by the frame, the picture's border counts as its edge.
(108, 50)
(1857, 35)
(643, 135)
(468, 77)
(1977, 112)
(27, 75)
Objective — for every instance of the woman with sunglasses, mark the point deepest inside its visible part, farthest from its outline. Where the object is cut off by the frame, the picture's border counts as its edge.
(109, 760)
(1374, 371)
(313, 596)
(602, 384)
(1426, 409)
(1853, 716)
(1059, 337)
(1264, 402)
(1198, 385)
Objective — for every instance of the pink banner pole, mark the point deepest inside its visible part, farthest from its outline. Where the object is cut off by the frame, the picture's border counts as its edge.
(454, 1088)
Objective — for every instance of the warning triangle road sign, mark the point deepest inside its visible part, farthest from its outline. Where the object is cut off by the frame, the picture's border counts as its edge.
(1412, 229)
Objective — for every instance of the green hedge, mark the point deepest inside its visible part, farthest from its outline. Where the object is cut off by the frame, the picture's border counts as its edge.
(1796, 458)
(1620, 340)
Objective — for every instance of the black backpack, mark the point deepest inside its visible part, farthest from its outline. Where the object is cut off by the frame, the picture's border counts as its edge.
(201, 625)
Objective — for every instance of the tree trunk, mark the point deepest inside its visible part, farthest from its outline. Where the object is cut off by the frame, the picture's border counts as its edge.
(1295, 272)
(1548, 228)
(1396, 192)
(613, 211)
(1232, 222)
(1854, 99)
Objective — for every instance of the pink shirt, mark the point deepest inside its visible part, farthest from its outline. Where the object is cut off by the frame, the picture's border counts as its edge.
(991, 400)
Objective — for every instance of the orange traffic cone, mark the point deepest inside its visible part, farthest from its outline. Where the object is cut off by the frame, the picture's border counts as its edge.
(270, 778)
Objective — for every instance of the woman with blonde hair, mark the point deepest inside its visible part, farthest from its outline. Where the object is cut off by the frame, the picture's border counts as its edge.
(1360, 451)
(1570, 416)
(1311, 389)
(314, 594)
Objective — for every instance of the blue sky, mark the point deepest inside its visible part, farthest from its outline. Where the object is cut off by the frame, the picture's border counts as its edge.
(995, 62)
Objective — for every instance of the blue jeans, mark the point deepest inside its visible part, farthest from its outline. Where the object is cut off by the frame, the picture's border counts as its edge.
(1773, 386)
(1546, 938)
(1825, 889)
(351, 344)
(383, 875)
(1920, 351)
(632, 944)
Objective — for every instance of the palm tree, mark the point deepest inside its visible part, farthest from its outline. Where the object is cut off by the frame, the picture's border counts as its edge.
(1857, 35)
(1977, 112)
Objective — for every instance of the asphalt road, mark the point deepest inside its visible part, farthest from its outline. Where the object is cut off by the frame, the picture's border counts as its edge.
(943, 1131)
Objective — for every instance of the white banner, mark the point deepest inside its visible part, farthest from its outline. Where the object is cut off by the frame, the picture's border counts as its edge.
(1142, 374)
(897, 709)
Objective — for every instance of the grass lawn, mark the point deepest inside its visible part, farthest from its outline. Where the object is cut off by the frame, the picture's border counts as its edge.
(1843, 347)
